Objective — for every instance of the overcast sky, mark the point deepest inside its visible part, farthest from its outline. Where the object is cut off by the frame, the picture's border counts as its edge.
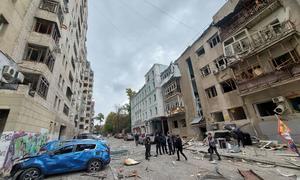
(125, 38)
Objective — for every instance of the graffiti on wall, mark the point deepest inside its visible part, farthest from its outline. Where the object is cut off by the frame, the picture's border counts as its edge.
(18, 144)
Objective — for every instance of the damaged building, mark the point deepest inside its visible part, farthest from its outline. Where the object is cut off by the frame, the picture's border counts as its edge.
(46, 39)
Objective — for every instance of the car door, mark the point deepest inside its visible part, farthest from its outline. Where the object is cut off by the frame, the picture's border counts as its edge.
(82, 154)
(58, 162)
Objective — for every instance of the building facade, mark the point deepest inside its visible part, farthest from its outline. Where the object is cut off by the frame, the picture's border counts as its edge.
(261, 39)
(46, 39)
(147, 110)
(173, 101)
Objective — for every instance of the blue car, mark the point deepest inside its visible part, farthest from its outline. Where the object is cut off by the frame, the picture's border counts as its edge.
(63, 156)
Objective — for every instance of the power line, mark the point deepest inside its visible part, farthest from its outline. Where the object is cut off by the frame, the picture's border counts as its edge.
(170, 16)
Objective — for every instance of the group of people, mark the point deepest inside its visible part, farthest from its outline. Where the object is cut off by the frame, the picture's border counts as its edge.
(165, 145)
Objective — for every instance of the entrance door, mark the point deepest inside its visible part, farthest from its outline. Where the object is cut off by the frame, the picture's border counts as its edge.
(62, 132)
(165, 126)
(3, 117)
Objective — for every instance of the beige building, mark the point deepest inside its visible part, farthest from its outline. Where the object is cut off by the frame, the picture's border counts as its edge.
(46, 39)
(261, 41)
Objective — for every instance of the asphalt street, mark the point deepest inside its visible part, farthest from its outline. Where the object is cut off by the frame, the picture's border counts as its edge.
(165, 167)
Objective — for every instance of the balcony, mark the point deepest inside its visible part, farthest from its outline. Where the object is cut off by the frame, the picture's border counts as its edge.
(255, 77)
(246, 44)
(246, 13)
(51, 10)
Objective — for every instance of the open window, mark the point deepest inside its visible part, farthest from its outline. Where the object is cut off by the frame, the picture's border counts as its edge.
(266, 108)
(228, 85)
(237, 113)
(211, 92)
(205, 71)
(218, 116)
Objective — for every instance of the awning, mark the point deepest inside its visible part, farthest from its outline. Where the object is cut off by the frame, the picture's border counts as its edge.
(197, 120)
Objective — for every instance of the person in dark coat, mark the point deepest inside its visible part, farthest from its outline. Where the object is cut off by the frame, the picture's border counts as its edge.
(179, 147)
(212, 146)
(163, 143)
(240, 136)
(173, 137)
(170, 144)
(158, 145)
(147, 147)
(136, 139)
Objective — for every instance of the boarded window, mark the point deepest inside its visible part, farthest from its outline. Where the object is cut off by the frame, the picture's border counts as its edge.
(228, 85)
(211, 92)
(266, 108)
(237, 113)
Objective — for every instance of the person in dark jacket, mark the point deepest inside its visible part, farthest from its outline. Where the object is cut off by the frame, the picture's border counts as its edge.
(136, 139)
(170, 144)
(163, 144)
(173, 137)
(147, 147)
(240, 136)
(212, 146)
(179, 147)
(157, 142)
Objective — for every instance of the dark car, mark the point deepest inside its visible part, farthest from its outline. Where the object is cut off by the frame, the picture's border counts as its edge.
(119, 136)
(68, 156)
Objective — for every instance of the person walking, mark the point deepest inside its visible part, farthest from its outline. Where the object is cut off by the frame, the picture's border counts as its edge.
(240, 137)
(173, 137)
(158, 145)
(179, 147)
(147, 147)
(212, 146)
(170, 144)
(136, 139)
(163, 143)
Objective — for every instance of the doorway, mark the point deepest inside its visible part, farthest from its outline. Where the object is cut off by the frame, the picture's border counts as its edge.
(3, 118)
(62, 132)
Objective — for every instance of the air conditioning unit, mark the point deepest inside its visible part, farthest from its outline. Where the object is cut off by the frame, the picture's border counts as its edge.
(215, 71)
(20, 77)
(9, 73)
(278, 99)
(223, 67)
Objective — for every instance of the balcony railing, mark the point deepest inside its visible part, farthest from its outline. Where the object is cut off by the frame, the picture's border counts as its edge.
(245, 44)
(243, 15)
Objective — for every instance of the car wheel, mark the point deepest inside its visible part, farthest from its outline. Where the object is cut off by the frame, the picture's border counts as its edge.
(94, 165)
(31, 174)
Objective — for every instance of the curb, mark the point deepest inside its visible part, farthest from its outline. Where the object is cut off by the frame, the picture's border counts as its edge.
(250, 159)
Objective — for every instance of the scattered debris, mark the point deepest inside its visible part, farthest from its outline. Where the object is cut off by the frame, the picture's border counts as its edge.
(133, 173)
(265, 165)
(99, 176)
(284, 174)
(250, 175)
(233, 149)
(130, 162)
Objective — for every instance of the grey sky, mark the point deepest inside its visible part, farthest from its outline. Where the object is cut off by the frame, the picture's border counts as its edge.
(125, 37)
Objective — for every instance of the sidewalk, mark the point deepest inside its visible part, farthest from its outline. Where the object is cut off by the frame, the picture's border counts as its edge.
(282, 158)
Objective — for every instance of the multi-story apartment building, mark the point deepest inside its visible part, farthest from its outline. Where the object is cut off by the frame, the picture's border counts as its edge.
(173, 102)
(87, 113)
(261, 41)
(147, 110)
(46, 39)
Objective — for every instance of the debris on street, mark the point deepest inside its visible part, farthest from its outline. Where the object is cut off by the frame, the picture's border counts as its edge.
(134, 174)
(249, 175)
(130, 162)
(99, 176)
(285, 174)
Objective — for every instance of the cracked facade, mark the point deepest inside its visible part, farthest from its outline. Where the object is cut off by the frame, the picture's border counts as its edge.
(47, 40)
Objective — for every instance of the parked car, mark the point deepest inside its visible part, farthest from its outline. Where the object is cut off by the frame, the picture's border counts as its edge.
(143, 136)
(119, 136)
(87, 136)
(128, 137)
(57, 157)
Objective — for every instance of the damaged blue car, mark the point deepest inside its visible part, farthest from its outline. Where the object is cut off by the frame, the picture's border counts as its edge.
(65, 156)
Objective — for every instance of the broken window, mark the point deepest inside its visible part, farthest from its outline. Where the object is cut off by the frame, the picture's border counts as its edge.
(69, 93)
(183, 123)
(218, 117)
(237, 113)
(43, 87)
(266, 108)
(66, 110)
(39, 54)
(211, 92)
(81, 126)
(205, 71)
(49, 5)
(228, 85)
(285, 59)
(295, 103)
(86, 121)
(175, 123)
(214, 40)
(200, 51)
(221, 63)
(3, 22)
(47, 27)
